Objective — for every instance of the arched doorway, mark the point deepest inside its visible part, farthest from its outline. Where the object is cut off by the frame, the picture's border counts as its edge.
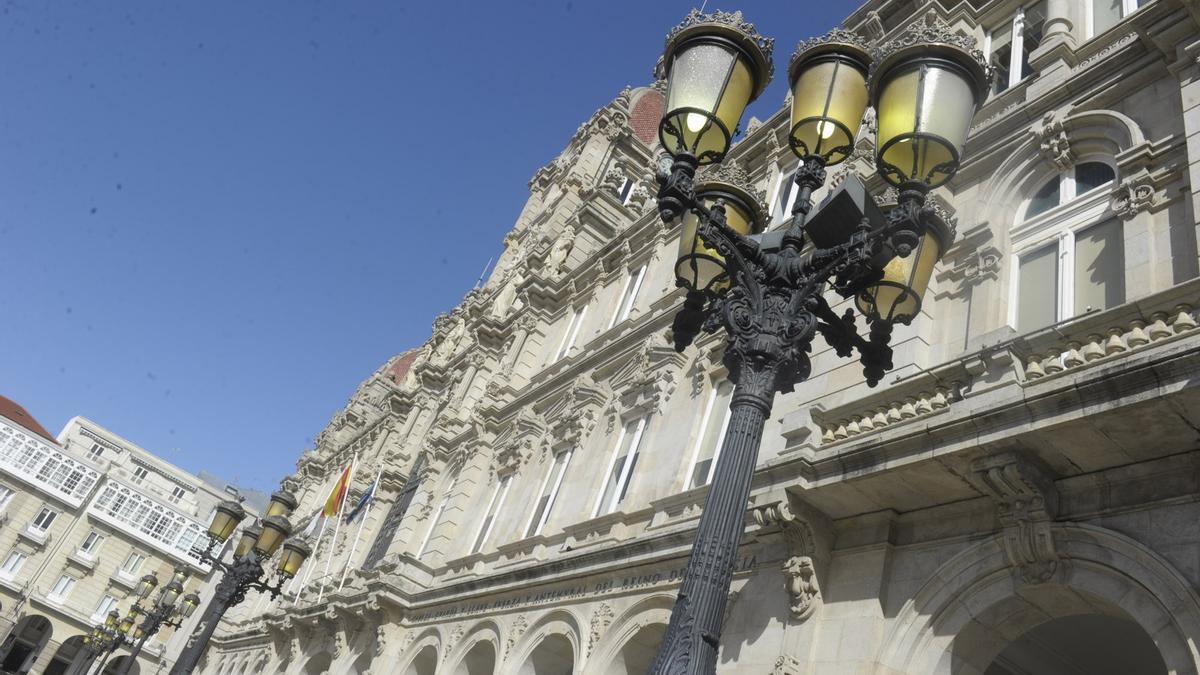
(66, 654)
(480, 660)
(114, 665)
(424, 663)
(552, 656)
(24, 643)
(318, 665)
(1095, 644)
(638, 652)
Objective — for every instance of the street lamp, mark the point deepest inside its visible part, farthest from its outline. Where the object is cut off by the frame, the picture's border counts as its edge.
(167, 610)
(768, 291)
(257, 544)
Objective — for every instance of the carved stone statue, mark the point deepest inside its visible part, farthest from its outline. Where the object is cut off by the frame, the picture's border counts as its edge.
(556, 261)
(803, 586)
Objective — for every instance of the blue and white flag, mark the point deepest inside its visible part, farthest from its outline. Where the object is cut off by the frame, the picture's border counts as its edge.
(368, 495)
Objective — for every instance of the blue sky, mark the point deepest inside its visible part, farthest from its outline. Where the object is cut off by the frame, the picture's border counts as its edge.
(217, 218)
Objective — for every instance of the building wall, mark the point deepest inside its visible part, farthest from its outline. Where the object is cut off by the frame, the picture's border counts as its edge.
(79, 498)
(997, 486)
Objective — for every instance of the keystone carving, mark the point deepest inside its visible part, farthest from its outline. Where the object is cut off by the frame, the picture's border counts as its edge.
(1053, 141)
(809, 536)
(1026, 503)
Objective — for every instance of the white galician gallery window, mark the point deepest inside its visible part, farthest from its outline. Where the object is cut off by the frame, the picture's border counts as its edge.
(1068, 250)
(1009, 43)
(713, 424)
(1100, 15)
(548, 493)
(621, 466)
(629, 294)
(493, 510)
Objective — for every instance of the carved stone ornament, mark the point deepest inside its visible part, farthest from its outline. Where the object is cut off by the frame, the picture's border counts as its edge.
(1053, 140)
(456, 634)
(802, 585)
(519, 626)
(978, 266)
(648, 379)
(601, 618)
(1134, 195)
(786, 665)
(1026, 502)
(517, 445)
(809, 535)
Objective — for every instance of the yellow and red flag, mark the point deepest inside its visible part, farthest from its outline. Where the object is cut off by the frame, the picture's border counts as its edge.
(334, 503)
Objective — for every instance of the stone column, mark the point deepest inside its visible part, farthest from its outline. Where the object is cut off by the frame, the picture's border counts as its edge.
(1055, 56)
(44, 656)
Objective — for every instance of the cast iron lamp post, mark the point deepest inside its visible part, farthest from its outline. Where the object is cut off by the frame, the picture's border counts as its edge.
(94, 643)
(168, 610)
(258, 543)
(768, 291)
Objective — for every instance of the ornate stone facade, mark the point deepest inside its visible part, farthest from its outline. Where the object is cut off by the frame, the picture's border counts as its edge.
(998, 492)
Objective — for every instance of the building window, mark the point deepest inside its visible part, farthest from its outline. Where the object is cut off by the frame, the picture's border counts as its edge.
(91, 544)
(12, 564)
(548, 493)
(629, 293)
(62, 588)
(107, 604)
(6, 495)
(43, 521)
(621, 467)
(96, 452)
(571, 333)
(438, 517)
(140, 473)
(785, 197)
(712, 431)
(1070, 245)
(626, 191)
(1104, 14)
(177, 493)
(133, 564)
(1008, 45)
(493, 510)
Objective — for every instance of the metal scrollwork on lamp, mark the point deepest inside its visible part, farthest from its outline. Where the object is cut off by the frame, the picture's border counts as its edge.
(768, 291)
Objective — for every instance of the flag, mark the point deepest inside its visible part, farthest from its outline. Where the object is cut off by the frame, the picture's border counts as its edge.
(312, 525)
(368, 495)
(334, 503)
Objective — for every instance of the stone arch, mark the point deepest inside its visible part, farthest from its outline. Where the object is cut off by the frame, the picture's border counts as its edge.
(317, 664)
(427, 639)
(639, 623)
(423, 662)
(1102, 572)
(468, 657)
(114, 666)
(361, 664)
(559, 623)
(64, 655)
(25, 643)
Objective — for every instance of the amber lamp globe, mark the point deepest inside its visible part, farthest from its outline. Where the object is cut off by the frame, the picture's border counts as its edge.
(112, 618)
(699, 267)
(274, 530)
(897, 296)
(925, 92)
(295, 552)
(225, 520)
(828, 78)
(250, 536)
(715, 65)
(283, 502)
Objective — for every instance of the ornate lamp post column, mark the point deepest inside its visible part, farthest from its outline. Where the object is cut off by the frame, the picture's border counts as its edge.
(768, 293)
(258, 543)
(168, 610)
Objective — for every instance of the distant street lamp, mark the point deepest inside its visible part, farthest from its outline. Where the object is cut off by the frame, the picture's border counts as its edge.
(768, 291)
(168, 610)
(257, 544)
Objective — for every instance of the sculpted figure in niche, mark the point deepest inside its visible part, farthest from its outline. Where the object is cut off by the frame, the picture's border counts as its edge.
(802, 585)
(506, 299)
(556, 261)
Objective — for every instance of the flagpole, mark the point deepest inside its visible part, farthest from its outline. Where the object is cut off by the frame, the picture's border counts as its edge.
(308, 572)
(337, 526)
(354, 546)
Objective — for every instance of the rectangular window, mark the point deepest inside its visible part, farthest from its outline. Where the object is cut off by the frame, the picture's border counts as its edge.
(12, 564)
(1037, 302)
(1099, 267)
(1010, 43)
(438, 517)
(572, 332)
(140, 473)
(96, 451)
(548, 493)
(1104, 14)
(626, 191)
(133, 564)
(107, 604)
(91, 544)
(493, 510)
(62, 588)
(1083, 271)
(785, 197)
(712, 431)
(43, 521)
(629, 293)
(621, 467)
(177, 493)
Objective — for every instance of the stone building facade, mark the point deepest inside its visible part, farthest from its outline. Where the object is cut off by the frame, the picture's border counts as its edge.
(83, 516)
(1018, 496)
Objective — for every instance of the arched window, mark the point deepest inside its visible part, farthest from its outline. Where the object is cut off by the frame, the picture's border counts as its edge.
(1069, 249)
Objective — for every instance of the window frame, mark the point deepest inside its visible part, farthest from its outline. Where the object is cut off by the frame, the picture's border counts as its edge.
(537, 520)
(441, 510)
(124, 568)
(626, 192)
(104, 606)
(6, 496)
(626, 469)
(143, 475)
(47, 513)
(571, 334)
(1058, 227)
(707, 419)
(20, 556)
(96, 539)
(629, 294)
(55, 595)
(785, 181)
(1017, 25)
(1128, 7)
(495, 505)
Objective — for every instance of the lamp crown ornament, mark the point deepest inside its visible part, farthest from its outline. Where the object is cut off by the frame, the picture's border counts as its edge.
(732, 176)
(838, 39)
(930, 34)
(732, 25)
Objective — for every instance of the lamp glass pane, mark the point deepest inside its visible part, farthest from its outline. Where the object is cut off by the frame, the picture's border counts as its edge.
(699, 265)
(835, 91)
(269, 540)
(1037, 289)
(1099, 267)
(714, 79)
(249, 537)
(930, 102)
(898, 295)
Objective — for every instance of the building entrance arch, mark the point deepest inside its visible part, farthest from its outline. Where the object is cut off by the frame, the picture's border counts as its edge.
(1096, 644)
(24, 643)
(67, 652)
(114, 666)
(975, 606)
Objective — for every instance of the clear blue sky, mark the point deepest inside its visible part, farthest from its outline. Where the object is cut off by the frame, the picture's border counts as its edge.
(217, 218)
